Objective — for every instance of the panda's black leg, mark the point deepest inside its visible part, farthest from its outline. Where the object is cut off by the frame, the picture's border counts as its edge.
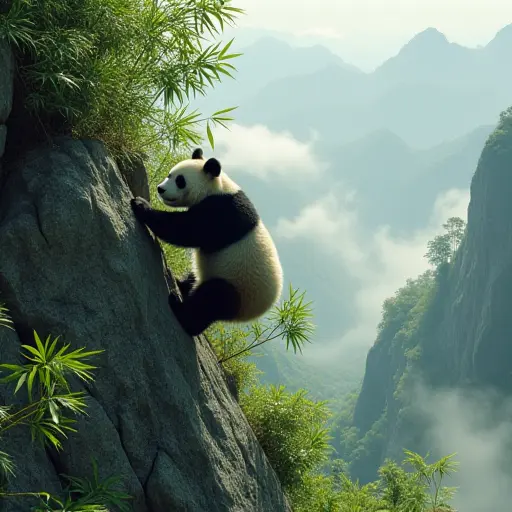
(211, 301)
(186, 284)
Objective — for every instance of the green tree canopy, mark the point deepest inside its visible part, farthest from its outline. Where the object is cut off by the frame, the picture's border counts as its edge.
(443, 247)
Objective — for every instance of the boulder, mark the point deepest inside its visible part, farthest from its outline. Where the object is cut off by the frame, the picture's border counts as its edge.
(75, 262)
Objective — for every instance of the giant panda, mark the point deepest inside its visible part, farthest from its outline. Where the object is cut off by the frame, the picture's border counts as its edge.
(237, 275)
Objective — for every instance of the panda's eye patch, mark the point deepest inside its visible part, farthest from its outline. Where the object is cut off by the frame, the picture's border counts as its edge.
(180, 181)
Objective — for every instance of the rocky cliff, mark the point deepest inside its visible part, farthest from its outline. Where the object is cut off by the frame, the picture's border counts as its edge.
(6, 83)
(459, 336)
(75, 262)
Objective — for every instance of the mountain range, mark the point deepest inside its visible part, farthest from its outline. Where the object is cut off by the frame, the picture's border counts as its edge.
(398, 136)
(431, 91)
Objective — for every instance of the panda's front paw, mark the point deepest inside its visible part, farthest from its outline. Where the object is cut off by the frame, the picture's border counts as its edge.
(140, 207)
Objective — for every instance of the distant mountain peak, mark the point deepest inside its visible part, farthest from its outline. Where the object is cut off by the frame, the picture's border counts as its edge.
(274, 46)
(503, 37)
(430, 37)
(428, 46)
(380, 140)
(268, 43)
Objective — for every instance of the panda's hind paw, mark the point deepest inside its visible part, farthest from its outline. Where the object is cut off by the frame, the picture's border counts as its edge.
(174, 301)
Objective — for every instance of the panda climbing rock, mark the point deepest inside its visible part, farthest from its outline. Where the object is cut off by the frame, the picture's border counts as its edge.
(237, 275)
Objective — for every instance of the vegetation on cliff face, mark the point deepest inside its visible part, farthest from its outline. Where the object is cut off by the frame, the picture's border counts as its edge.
(443, 247)
(448, 329)
(118, 70)
(385, 403)
(48, 414)
(290, 428)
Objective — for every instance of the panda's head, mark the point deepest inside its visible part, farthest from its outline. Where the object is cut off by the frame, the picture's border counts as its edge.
(191, 180)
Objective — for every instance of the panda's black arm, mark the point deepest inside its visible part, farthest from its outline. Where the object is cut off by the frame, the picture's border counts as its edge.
(177, 228)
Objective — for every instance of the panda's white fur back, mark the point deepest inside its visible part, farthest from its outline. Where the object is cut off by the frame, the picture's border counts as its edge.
(252, 265)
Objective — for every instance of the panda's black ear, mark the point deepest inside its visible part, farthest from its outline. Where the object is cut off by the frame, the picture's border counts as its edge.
(212, 166)
(197, 154)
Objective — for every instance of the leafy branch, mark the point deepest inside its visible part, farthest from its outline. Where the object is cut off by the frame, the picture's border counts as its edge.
(5, 319)
(432, 476)
(122, 71)
(45, 377)
(49, 395)
(289, 321)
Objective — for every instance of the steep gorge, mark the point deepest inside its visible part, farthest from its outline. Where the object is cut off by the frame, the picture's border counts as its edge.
(455, 335)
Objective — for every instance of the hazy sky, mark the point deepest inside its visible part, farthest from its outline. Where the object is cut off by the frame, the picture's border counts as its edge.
(365, 32)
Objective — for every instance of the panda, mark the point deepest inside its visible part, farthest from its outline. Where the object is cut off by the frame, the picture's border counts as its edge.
(237, 275)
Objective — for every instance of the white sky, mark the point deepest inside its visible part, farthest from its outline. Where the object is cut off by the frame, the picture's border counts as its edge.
(365, 32)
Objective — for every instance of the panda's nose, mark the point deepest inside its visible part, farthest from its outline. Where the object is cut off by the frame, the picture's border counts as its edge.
(160, 189)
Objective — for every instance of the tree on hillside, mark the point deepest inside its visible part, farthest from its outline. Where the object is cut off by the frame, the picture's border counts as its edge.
(456, 229)
(443, 247)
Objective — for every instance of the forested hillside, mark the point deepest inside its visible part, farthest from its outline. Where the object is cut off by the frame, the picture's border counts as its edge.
(444, 343)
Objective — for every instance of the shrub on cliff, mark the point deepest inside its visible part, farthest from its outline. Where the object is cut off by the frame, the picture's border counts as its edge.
(119, 70)
(419, 489)
(290, 428)
(45, 375)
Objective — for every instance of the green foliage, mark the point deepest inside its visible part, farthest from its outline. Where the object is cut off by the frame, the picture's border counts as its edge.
(431, 476)
(120, 70)
(335, 493)
(401, 490)
(83, 495)
(499, 141)
(400, 336)
(396, 490)
(234, 344)
(404, 337)
(289, 320)
(290, 429)
(345, 435)
(442, 248)
(227, 340)
(5, 320)
(46, 378)
(396, 309)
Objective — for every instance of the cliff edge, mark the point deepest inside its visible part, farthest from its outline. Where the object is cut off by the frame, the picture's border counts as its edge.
(75, 263)
(456, 331)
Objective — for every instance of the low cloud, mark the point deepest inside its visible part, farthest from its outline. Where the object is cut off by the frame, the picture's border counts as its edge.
(266, 154)
(379, 261)
(476, 427)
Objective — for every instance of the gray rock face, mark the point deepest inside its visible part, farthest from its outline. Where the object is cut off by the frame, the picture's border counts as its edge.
(75, 262)
(478, 325)
(6, 84)
(3, 137)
